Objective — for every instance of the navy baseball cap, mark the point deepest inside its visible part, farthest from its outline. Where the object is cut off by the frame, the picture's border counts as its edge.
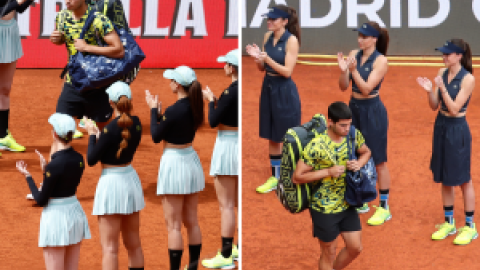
(276, 13)
(449, 48)
(368, 30)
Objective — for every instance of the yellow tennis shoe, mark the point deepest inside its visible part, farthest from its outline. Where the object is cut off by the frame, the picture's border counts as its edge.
(219, 262)
(363, 209)
(78, 134)
(444, 230)
(9, 143)
(467, 234)
(380, 216)
(270, 185)
(235, 253)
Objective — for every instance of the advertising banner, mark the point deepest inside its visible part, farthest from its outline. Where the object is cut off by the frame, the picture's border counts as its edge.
(170, 32)
(415, 27)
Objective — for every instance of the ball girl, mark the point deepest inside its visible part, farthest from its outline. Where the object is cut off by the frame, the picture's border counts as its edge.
(180, 176)
(119, 195)
(223, 113)
(63, 224)
(452, 140)
(366, 68)
(280, 107)
(10, 52)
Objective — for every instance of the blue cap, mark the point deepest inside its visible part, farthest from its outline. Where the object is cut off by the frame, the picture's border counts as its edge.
(368, 30)
(276, 13)
(231, 58)
(118, 89)
(182, 75)
(62, 123)
(449, 48)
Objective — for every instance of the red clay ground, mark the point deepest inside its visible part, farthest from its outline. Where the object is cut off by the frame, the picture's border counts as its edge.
(33, 100)
(275, 239)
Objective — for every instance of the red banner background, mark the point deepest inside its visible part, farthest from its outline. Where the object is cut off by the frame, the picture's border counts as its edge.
(161, 52)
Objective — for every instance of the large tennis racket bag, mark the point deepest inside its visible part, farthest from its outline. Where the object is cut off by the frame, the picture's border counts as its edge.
(296, 197)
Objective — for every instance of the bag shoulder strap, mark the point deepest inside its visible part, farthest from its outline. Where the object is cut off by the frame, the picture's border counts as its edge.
(106, 5)
(351, 141)
(88, 23)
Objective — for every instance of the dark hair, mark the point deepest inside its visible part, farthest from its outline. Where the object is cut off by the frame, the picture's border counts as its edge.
(124, 106)
(66, 139)
(382, 40)
(194, 92)
(339, 111)
(292, 26)
(466, 60)
(235, 68)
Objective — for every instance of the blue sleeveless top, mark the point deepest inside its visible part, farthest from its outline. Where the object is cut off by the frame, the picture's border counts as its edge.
(453, 88)
(365, 71)
(278, 52)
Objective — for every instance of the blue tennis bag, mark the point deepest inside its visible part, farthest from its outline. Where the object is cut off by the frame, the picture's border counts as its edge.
(91, 71)
(360, 185)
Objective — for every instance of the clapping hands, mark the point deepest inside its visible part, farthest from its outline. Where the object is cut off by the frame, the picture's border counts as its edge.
(345, 64)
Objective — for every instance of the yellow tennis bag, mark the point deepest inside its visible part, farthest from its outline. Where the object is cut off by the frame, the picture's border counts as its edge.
(296, 197)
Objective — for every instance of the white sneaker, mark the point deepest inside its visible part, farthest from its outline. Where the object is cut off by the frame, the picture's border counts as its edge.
(30, 196)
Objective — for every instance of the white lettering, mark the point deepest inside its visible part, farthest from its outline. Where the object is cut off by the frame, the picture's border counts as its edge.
(395, 13)
(232, 28)
(151, 20)
(262, 9)
(197, 22)
(24, 23)
(414, 20)
(370, 11)
(244, 13)
(307, 21)
(126, 9)
(49, 13)
(476, 9)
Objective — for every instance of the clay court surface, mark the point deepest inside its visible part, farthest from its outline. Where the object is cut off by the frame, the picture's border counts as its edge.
(275, 239)
(33, 100)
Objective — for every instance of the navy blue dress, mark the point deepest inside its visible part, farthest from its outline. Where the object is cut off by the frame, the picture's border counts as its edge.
(280, 107)
(452, 140)
(370, 115)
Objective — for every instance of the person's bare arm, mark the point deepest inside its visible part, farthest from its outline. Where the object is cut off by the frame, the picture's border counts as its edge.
(291, 56)
(344, 80)
(432, 91)
(379, 70)
(114, 49)
(454, 106)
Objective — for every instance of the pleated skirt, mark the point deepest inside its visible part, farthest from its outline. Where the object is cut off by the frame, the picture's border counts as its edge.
(225, 154)
(63, 223)
(180, 172)
(451, 151)
(119, 191)
(10, 42)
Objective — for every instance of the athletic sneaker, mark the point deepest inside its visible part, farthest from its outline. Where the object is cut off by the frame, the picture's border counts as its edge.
(467, 234)
(30, 196)
(219, 262)
(363, 209)
(380, 216)
(78, 134)
(235, 253)
(444, 230)
(9, 143)
(270, 185)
